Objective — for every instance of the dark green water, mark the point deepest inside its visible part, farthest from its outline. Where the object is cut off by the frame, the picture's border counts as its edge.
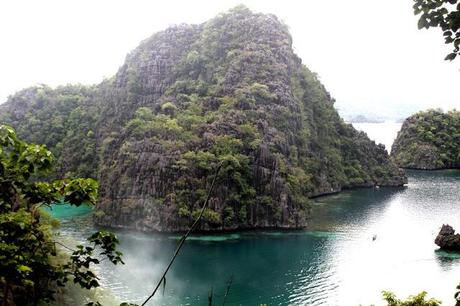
(335, 262)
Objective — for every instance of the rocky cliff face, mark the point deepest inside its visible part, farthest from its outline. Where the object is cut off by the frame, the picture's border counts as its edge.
(228, 92)
(429, 140)
(447, 239)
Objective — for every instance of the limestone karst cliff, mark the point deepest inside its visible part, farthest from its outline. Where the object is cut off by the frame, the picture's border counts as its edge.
(229, 91)
(429, 140)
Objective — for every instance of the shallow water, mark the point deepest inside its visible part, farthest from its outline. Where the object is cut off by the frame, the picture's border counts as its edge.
(335, 262)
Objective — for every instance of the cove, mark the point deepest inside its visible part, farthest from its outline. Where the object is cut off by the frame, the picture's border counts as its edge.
(334, 262)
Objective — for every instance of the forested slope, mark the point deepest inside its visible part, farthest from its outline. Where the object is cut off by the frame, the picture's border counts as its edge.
(429, 140)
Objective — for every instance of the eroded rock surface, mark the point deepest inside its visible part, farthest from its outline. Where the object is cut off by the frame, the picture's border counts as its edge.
(447, 239)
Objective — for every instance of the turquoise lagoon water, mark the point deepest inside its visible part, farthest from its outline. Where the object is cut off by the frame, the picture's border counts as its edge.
(334, 262)
(65, 212)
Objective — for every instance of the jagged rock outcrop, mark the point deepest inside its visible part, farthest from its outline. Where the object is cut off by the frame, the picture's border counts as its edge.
(429, 140)
(447, 239)
(230, 91)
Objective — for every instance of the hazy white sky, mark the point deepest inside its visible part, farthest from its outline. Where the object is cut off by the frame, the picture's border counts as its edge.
(368, 53)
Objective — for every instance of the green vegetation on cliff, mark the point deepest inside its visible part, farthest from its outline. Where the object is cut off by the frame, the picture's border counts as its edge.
(63, 119)
(429, 140)
(230, 91)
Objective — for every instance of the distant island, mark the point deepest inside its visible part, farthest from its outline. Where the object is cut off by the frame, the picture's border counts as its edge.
(228, 92)
(374, 112)
(429, 140)
(365, 119)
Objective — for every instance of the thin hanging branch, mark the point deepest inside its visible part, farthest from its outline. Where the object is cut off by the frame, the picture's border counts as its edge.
(228, 290)
(63, 245)
(210, 297)
(181, 243)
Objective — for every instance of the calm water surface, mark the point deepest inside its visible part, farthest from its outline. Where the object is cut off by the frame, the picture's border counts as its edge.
(334, 262)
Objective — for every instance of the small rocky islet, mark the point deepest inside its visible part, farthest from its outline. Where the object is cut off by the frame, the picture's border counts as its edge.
(447, 239)
(230, 91)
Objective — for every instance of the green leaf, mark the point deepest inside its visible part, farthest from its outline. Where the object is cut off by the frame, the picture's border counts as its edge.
(451, 57)
(23, 268)
(422, 23)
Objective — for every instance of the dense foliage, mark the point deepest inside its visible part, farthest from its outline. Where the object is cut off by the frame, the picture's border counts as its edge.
(29, 271)
(429, 140)
(444, 14)
(417, 300)
(64, 119)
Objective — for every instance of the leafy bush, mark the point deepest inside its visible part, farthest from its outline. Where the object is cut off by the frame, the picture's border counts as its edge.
(416, 300)
(28, 274)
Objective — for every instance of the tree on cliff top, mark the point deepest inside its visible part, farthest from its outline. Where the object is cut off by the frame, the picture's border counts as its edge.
(444, 14)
